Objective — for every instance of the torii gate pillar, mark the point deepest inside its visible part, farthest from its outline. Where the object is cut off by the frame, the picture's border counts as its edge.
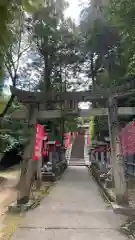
(117, 159)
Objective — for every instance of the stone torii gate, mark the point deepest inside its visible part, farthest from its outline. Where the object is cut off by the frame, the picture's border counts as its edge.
(35, 102)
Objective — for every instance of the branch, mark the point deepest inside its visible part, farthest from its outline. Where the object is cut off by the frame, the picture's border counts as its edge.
(10, 61)
(25, 50)
(12, 66)
(9, 71)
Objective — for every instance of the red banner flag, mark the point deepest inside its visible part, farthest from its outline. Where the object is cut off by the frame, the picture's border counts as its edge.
(38, 142)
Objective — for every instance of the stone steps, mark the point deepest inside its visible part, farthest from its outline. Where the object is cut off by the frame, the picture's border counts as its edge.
(77, 162)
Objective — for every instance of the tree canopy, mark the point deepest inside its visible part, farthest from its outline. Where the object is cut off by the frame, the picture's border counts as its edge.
(41, 50)
(108, 41)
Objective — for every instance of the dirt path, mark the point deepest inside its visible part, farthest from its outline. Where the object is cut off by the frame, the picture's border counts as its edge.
(8, 192)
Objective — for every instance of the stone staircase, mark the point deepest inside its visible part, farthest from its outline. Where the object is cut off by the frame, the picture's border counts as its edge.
(77, 154)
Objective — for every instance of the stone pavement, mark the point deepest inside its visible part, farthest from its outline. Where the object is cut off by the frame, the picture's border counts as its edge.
(74, 210)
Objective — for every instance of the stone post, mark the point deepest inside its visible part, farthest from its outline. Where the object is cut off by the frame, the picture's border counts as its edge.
(52, 159)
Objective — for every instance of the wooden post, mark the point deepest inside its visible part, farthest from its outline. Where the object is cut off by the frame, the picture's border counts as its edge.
(117, 159)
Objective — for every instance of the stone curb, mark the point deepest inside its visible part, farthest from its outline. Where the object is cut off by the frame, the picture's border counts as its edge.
(15, 208)
(105, 193)
(127, 229)
(128, 211)
(118, 209)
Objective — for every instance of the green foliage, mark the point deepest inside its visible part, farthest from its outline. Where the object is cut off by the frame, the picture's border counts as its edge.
(108, 33)
(7, 142)
(3, 102)
(57, 41)
(121, 13)
(71, 124)
(103, 38)
(13, 131)
(92, 128)
(10, 11)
